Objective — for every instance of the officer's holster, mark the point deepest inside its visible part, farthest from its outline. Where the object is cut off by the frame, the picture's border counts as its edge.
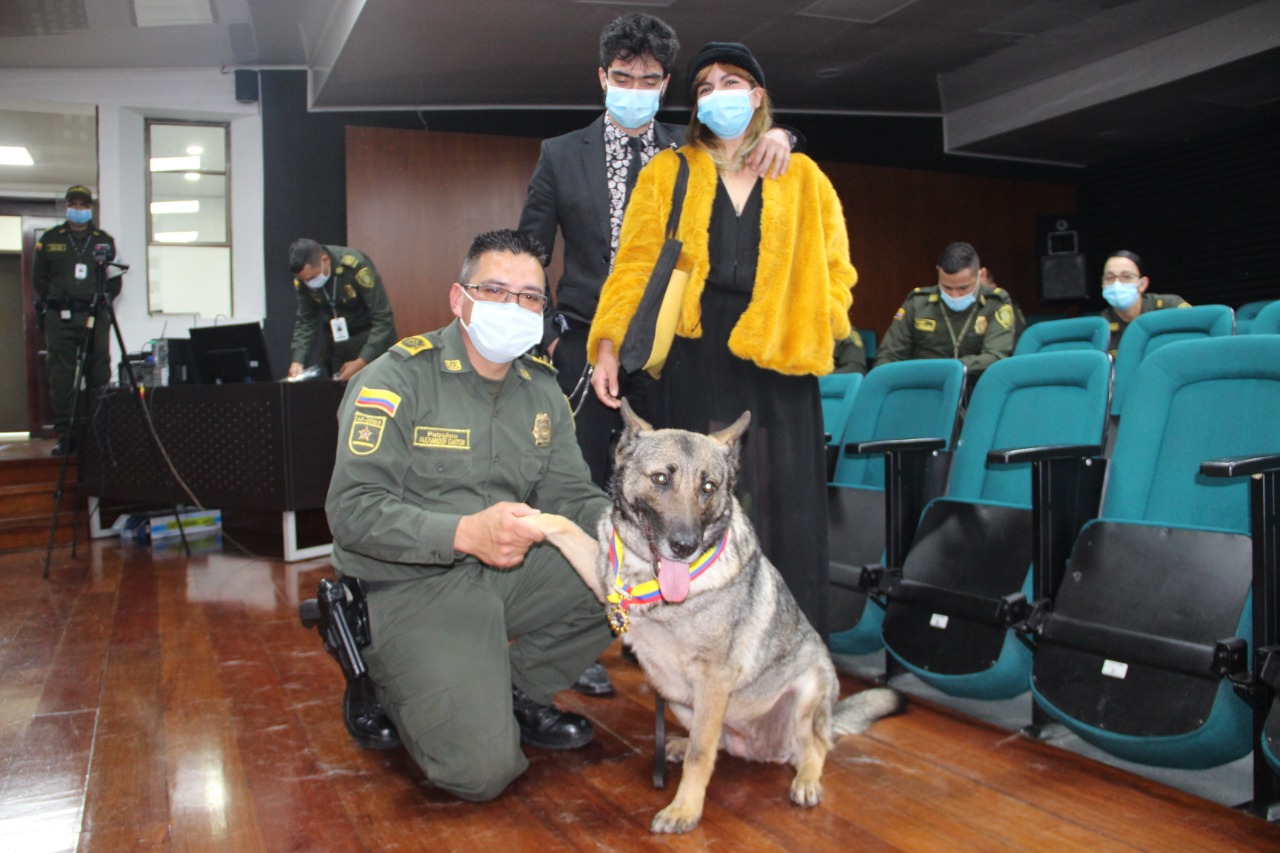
(340, 613)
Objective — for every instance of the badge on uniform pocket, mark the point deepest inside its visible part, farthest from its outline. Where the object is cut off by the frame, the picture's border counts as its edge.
(338, 325)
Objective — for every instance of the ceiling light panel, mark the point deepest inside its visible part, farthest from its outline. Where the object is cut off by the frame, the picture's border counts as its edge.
(172, 13)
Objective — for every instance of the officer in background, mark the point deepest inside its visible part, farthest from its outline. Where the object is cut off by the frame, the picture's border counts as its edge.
(68, 261)
(340, 295)
(956, 318)
(850, 354)
(1125, 289)
(444, 443)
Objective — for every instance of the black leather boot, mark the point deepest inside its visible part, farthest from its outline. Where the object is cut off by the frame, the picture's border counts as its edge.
(368, 725)
(547, 726)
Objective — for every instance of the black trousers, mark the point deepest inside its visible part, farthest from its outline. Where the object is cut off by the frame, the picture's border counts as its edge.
(597, 425)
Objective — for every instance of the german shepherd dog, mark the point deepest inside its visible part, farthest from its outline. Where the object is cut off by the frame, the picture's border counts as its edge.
(679, 568)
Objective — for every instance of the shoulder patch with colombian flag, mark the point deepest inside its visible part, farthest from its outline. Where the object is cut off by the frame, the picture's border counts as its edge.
(900, 313)
(413, 345)
(378, 398)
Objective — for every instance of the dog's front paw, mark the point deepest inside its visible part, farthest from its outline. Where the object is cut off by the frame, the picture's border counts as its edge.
(675, 818)
(676, 748)
(806, 792)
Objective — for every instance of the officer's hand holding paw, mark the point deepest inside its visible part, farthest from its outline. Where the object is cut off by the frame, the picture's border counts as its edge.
(494, 535)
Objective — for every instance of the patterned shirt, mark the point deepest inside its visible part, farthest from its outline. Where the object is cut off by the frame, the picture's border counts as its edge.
(617, 153)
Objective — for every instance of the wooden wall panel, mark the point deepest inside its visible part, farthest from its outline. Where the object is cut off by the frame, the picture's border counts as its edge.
(899, 220)
(415, 199)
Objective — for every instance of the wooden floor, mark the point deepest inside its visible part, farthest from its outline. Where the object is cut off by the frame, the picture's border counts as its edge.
(154, 702)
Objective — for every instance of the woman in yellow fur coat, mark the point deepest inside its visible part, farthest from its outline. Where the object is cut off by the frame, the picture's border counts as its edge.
(768, 296)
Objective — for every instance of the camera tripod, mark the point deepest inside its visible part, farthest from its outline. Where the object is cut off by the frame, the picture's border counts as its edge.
(100, 308)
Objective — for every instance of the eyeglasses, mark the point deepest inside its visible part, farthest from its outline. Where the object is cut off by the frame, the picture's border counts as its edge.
(488, 292)
(1126, 277)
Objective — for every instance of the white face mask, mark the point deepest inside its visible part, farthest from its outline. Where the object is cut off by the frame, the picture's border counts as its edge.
(1120, 295)
(317, 282)
(502, 331)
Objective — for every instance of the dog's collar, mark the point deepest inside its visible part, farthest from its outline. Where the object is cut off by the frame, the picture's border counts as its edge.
(624, 595)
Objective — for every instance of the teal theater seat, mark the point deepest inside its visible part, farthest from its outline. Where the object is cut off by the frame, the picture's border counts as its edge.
(1247, 312)
(974, 547)
(837, 391)
(1154, 621)
(1266, 321)
(1055, 335)
(1156, 329)
(903, 401)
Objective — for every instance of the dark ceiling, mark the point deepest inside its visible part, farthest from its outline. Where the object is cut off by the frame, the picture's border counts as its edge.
(1049, 81)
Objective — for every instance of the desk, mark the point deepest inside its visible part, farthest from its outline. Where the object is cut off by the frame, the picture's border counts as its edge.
(264, 447)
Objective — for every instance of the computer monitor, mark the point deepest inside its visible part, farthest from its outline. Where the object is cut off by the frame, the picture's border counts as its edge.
(231, 353)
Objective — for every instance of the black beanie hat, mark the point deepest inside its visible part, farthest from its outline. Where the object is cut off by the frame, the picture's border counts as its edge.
(724, 51)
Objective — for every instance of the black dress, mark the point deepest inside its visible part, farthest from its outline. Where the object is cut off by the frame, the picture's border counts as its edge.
(704, 388)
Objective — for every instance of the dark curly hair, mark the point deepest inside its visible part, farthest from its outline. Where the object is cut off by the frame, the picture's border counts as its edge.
(633, 36)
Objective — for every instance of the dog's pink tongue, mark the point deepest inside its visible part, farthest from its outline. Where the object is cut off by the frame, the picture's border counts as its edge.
(673, 580)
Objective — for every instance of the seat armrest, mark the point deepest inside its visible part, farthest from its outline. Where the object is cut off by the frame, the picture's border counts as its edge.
(901, 445)
(1240, 466)
(1016, 455)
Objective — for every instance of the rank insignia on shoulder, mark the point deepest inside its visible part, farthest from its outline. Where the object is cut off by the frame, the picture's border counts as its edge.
(378, 398)
(413, 345)
(926, 324)
(542, 430)
(350, 260)
(366, 433)
(522, 373)
(543, 362)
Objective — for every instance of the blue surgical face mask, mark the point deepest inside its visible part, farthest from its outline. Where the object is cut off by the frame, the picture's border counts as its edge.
(727, 112)
(632, 108)
(1120, 295)
(958, 303)
(79, 216)
(502, 331)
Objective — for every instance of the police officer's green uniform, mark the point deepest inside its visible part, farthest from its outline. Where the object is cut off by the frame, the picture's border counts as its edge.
(924, 327)
(1150, 302)
(353, 292)
(850, 355)
(65, 277)
(423, 441)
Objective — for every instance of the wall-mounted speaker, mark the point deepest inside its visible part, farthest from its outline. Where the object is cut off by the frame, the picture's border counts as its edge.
(1061, 246)
(246, 86)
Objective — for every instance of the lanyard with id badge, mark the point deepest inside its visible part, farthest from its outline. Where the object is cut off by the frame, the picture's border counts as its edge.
(337, 325)
(81, 271)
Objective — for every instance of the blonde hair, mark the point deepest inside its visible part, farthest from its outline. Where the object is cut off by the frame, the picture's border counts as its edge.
(701, 137)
